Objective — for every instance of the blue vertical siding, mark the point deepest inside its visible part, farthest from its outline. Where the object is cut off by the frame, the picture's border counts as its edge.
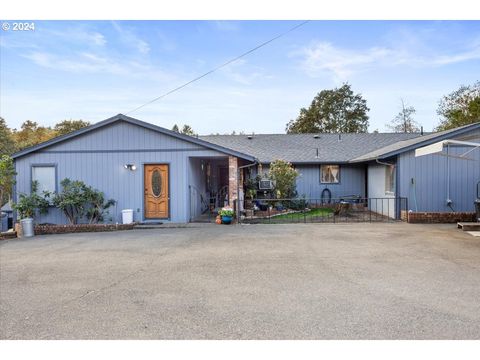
(98, 159)
(352, 181)
(429, 190)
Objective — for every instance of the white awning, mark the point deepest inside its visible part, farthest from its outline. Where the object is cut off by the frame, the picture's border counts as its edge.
(438, 147)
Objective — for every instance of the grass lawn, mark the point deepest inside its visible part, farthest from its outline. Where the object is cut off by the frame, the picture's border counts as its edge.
(297, 216)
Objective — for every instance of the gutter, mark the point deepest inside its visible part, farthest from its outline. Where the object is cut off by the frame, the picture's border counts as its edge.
(384, 163)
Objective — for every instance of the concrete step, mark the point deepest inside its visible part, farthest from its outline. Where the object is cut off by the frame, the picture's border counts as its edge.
(469, 226)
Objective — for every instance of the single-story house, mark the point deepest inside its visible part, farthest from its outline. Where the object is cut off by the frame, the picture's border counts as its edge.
(164, 175)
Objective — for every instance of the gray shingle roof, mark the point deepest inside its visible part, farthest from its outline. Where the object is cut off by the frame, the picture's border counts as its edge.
(302, 148)
(394, 148)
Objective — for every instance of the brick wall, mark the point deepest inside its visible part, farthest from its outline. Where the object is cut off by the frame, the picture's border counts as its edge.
(437, 217)
(232, 179)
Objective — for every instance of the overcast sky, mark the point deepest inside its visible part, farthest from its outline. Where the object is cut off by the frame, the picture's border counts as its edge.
(92, 70)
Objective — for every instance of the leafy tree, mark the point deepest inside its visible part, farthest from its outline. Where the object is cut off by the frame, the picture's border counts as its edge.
(97, 207)
(7, 145)
(78, 200)
(67, 126)
(187, 130)
(331, 111)
(461, 107)
(31, 134)
(29, 205)
(7, 178)
(403, 122)
(283, 175)
(71, 200)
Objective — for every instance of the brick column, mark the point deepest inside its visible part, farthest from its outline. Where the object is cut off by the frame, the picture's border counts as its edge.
(232, 179)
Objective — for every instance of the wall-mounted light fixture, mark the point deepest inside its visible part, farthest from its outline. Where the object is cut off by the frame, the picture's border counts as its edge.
(130, 167)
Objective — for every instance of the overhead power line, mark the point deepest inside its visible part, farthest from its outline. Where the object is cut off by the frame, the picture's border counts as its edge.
(219, 67)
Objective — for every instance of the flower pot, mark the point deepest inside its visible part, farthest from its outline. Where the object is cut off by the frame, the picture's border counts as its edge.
(227, 219)
(27, 227)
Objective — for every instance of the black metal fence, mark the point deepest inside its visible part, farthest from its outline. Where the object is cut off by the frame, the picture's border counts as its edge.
(339, 210)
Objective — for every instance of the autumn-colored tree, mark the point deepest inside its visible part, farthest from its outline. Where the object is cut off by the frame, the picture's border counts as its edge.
(7, 178)
(67, 126)
(31, 134)
(7, 144)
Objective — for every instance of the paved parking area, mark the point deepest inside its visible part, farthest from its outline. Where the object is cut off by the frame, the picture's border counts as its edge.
(351, 281)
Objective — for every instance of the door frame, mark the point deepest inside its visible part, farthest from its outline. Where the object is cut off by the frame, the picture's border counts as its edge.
(143, 190)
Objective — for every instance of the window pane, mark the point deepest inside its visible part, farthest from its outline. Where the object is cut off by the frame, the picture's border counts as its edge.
(45, 175)
(330, 174)
(156, 183)
(390, 179)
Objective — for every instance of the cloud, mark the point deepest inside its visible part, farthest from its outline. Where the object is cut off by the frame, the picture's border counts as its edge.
(321, 58)
(227, 26)
(82, 62)
(78, 34)
(130, 39)
(86, 62)
(233, 72)
(324, 57)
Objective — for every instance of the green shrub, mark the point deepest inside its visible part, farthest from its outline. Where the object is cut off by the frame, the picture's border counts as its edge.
(226, 212)
(284, 178)
(78, 200)
(29, 205)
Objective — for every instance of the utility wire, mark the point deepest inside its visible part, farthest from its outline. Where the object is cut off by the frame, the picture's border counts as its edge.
(220, 66)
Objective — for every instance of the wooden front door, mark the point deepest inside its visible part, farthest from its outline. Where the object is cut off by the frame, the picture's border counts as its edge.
(156, 191)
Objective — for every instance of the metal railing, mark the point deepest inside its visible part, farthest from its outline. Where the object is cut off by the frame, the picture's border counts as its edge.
(337, 210)
(204, 205)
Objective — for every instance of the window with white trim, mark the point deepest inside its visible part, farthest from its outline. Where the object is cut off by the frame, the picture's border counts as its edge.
(46, 177)
(330, 174)
(390, 180)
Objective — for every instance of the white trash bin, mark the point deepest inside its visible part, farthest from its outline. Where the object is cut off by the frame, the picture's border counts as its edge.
(127, 216)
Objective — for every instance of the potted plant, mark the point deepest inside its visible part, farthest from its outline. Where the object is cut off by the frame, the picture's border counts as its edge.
(227, 214)
(279, 206)
(28, 206)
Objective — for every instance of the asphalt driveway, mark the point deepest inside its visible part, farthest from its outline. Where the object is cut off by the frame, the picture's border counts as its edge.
(352, 281)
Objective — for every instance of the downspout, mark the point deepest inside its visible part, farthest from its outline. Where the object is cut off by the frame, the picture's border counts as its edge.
(14, 195)
(449, 200)
(255, 162)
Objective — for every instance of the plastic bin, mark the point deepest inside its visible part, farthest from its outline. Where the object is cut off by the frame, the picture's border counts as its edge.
(27, 227)
(127, 216)
(3, 221)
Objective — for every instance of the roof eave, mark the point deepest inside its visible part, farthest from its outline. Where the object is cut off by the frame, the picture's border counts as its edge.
(131, 120)
(432, 140)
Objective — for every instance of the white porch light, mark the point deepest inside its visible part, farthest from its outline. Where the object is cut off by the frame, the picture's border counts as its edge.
(130, 167)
